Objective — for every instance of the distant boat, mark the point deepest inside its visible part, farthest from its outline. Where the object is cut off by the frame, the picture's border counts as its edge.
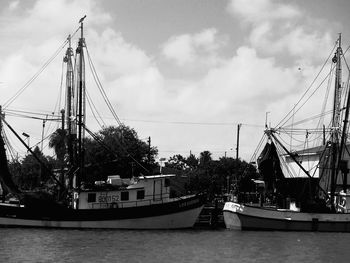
(142, 202)
(305, 189)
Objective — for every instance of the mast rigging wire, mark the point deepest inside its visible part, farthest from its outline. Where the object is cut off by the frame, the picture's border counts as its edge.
(307, 99)
(111, 151)
(30, 81)
(29, 112)
(307, 90)
(100, 87)
(94, 109)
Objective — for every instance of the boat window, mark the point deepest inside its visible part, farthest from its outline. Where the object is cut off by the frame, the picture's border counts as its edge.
(124, 196)
(166, 182)
(91, 197)
(141, 194)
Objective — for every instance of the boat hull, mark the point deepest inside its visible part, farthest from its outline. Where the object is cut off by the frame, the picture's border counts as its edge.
(245, 217)
(173, 215)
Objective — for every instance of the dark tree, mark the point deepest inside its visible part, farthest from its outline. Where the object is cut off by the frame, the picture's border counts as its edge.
(118, 150)
(58, 141)
(31, 174)
(205, 158)
(192, 161)
(177, 162)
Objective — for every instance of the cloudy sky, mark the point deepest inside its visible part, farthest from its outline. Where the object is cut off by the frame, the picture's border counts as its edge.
(184, 72)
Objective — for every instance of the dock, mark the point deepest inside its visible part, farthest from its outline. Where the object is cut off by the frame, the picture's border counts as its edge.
(211, 216)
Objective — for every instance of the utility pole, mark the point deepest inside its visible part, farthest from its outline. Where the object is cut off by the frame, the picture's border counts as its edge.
(132, 169)
(62, 119)
(42, 135)
(149, 150)
(237, 148)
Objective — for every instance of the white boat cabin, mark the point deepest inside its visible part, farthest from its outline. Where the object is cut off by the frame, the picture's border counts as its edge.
(118, 193)
(316, 162)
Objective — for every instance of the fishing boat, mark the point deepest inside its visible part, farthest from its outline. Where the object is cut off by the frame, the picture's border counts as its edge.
(304, 165)
(139, 202)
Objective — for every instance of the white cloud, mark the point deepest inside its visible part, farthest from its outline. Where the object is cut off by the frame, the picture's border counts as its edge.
(48, 18)
(141, 91)
(257, 11)
(115, 56)
(276, 29)
(180, 49)
(192, 49)
(236, 88)
(253, 81)
(13, 5)
(34, 34)
(241, 82)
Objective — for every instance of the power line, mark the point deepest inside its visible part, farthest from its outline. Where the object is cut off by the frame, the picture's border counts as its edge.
(195, 123)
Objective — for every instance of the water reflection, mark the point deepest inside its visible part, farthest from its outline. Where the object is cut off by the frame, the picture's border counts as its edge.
(45, 245)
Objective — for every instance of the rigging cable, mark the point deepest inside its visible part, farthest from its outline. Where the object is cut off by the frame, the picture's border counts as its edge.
(94, 109)
(26, 85)
(110, 150)
(253, 158)
(33, 154)
(100, 87)
(347, 92)
(58, 103)
(323, 109)
(42, 140)
(286, 120)
(307, 90)
(309, 119)
(280, 153)
(28, 112)
(31, 117)
(10, 143)
(61, 89)
(9, 146)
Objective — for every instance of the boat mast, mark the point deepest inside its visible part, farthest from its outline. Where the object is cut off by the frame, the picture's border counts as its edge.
(70, 109)
(81, 105)
(336, 155)
(337, 91)
(342, 164)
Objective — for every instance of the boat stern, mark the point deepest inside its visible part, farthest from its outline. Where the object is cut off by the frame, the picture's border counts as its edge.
(231, 218)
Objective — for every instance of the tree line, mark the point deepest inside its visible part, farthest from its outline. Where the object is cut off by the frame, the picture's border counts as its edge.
(119, 151)
(216, 177)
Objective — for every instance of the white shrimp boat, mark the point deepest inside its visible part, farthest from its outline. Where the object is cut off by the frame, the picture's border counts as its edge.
(142, 202)
(307, 189)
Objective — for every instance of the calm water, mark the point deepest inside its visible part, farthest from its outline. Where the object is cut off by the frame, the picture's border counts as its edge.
(45, 245)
